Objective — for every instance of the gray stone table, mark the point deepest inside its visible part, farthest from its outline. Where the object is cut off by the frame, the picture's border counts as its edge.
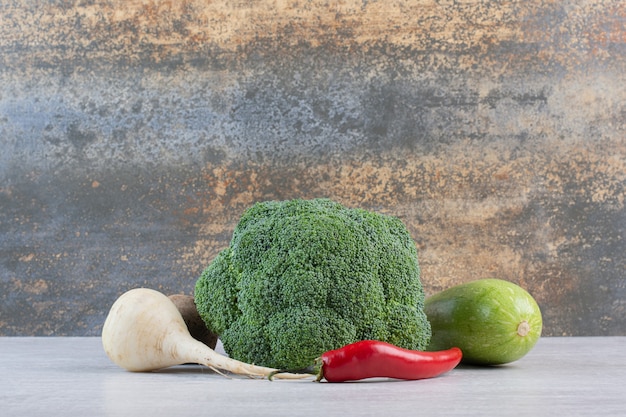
(73, 377)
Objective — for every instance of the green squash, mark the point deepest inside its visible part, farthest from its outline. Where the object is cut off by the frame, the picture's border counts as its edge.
(492, 321)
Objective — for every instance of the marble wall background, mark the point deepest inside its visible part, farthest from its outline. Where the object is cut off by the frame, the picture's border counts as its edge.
(134, 133)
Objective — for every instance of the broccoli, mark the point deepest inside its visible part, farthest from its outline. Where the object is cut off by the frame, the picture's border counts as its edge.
(301, 277)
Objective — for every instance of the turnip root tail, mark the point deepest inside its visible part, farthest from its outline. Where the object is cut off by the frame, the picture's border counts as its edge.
(144, 331)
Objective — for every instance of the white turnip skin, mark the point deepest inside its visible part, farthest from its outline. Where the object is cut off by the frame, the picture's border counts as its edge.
(144, 331)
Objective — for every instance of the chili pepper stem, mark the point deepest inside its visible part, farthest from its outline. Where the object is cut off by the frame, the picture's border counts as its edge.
(319, 366)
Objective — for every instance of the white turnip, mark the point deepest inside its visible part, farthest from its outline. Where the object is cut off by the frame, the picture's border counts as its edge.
(144, 331)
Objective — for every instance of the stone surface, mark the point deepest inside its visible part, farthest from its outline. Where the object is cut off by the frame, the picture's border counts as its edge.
(134, 133)
(72, 377)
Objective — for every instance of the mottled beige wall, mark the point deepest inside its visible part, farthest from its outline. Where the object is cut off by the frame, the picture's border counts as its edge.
(134, 133)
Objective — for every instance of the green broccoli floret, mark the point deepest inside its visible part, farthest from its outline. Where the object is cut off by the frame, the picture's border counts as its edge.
(301, 277)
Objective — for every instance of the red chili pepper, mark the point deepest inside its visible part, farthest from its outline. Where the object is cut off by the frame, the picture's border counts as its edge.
(371, 359)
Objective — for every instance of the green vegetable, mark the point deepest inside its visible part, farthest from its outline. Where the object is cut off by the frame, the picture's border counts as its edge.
(493, 321)
(302, 277)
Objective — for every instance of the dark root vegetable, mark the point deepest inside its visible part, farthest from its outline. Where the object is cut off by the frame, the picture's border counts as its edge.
(198, 330)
